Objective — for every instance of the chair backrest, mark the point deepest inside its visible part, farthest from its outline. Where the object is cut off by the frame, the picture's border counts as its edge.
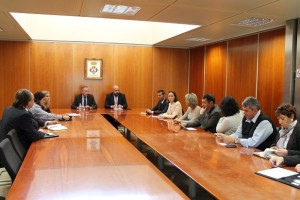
(14, 139)
(10, 158)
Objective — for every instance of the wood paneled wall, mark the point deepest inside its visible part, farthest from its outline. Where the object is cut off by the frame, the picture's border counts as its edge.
(196, 81)
(169, 71)
(246, 66)
(215, 70)
(59, 67)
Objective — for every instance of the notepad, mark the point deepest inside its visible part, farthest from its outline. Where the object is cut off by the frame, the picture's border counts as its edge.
(56, 127)
(267, 153)
(282, 175)
(190, 128)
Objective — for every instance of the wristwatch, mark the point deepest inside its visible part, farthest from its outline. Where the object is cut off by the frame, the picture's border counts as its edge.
(236, 140)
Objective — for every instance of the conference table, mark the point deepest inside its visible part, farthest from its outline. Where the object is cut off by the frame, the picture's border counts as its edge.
(226, 173)
(93, 159)
(89, 160)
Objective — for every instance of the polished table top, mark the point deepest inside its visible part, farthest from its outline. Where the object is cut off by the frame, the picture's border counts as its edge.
(227, 173)
(79, 166)
(87, 125)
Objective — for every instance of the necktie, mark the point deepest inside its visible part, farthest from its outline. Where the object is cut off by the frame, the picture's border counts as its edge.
(85, 101)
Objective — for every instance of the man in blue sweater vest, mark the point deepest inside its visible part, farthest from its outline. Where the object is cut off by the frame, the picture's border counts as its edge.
(256, 130)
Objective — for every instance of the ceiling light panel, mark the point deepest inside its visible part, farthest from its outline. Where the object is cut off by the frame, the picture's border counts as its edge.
(120, 9)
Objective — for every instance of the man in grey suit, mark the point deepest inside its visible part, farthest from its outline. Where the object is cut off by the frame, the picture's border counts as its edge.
(209, 115)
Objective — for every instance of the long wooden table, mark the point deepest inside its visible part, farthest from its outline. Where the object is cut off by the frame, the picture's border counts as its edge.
(225, 173)
(89, 161)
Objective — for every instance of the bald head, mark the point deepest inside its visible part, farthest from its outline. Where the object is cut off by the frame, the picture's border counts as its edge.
(116, 90)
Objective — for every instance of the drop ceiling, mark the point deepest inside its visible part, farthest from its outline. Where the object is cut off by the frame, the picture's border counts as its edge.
(215, 16)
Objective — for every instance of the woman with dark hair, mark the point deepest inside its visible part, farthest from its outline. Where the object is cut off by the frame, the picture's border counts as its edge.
(175, 109)
(38, 109)
(289, 133)
(232, 116)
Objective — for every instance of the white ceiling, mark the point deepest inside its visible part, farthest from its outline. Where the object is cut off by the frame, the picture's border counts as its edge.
(215, 16)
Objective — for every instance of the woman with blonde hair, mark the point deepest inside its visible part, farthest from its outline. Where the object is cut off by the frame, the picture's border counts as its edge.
(193, 111)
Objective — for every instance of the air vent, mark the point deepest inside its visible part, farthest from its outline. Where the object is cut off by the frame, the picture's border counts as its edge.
(253, 22)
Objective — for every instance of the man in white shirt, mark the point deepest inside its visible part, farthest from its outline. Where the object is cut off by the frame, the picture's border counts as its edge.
(256, 130)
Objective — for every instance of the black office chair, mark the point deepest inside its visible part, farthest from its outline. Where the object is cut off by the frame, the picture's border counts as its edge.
(10, 158)
(14, 139)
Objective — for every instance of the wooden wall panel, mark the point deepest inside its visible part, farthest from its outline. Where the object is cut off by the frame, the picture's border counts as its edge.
(196, 81)
(241, 69)
(171, 71)
(14, 71)
(133, 74)
(271, 70)
(98, 88)
(215, 70)
(62, 76)
(140, 71)
(51, 68)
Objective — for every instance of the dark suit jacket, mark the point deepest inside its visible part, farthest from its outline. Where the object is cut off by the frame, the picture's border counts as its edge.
(161, 107)
(292, 159)
(78, 100)
(294, 141)
(23, 122)
(109, 101)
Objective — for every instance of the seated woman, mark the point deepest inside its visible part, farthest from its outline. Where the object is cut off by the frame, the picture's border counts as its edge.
(193, 111)
(232, 116)
(46, 103)
(175, 109)
(38, 111)
(292, 159)
(289, 133)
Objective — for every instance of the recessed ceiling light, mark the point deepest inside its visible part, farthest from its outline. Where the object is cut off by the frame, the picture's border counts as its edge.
(196, 39)
(105, 30)
(120, 9)
(253, 22)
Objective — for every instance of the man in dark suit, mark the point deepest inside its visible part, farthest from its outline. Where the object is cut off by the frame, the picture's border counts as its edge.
(116, 99)
(85, 100)
(17, 117)
(162, 104)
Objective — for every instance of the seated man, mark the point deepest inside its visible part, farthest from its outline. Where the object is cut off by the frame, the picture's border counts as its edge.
(209, 115)
(256, 130)
(19, 118)
(116, 99)
(84, 99)
(162, 104)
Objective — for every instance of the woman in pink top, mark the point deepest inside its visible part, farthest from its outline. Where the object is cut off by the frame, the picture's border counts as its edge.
(175, 110)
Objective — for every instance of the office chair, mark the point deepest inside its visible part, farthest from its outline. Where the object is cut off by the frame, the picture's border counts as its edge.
(14, 139)
(10, 158)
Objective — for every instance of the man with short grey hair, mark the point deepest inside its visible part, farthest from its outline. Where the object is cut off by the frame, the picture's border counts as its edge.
(256, 130)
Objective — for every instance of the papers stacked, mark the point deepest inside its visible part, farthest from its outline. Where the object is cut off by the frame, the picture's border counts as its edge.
(267, 153)
(56, 127)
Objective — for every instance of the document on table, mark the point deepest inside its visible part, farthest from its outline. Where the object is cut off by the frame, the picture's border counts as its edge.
(190, 128)
(276, 173)
(267, 153)
(73, 114)
(285, 176)
(56, 127)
